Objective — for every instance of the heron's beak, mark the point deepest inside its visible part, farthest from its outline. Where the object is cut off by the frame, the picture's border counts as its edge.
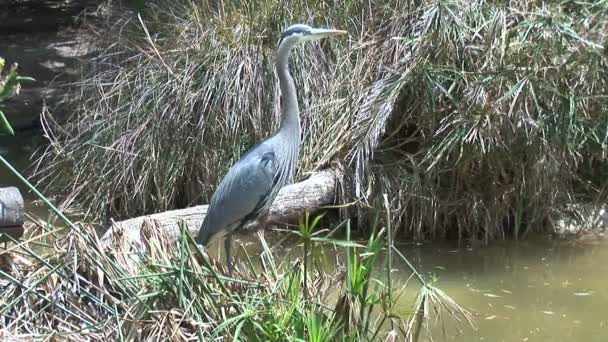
(318, 33)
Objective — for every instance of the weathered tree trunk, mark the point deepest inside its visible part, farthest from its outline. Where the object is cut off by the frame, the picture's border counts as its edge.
(11, 212)
(293, 200)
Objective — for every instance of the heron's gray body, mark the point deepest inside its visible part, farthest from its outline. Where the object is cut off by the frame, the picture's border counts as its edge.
(251, 185)
(255, 180)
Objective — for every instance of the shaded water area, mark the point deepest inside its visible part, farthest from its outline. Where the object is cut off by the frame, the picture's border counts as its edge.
(533, 290)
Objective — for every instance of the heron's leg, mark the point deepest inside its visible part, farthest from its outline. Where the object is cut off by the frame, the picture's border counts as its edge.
(262, 222)
(227, 246)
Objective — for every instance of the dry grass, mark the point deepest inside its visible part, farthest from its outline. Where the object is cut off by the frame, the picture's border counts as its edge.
(501, 120)
(78, 291)
(478, 118)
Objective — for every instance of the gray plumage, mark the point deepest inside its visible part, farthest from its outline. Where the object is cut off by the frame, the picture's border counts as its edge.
(251, 185)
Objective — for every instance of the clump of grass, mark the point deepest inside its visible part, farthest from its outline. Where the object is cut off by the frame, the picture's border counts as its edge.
(497, 117)
(173, 291)
(475, 117)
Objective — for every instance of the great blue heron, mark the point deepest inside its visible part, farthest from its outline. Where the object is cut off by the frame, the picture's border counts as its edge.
(252, 183)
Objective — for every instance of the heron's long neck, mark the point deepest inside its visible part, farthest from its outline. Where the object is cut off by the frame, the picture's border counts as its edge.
(290, 113)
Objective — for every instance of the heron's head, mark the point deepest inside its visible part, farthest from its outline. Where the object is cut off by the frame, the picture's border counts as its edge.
(299, 33)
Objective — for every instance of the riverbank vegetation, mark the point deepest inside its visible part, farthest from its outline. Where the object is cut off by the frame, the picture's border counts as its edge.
(478, 118)
(10, 84)
(65, 285)
(474, 118)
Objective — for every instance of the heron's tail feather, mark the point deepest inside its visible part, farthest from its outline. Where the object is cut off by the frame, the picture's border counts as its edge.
(204, 233)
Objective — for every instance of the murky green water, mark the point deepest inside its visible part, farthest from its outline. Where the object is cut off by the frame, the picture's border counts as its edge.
(533, 290)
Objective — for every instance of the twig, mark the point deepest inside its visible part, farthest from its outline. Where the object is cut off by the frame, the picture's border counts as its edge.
(153, 46)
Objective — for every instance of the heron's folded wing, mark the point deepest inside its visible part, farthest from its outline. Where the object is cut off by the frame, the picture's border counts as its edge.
(243, 188)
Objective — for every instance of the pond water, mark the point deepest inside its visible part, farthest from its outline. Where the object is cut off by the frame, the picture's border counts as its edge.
(533, 290)
(539, 289)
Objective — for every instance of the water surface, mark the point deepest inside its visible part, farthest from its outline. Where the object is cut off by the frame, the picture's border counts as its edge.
(539, 289)
(534, 290)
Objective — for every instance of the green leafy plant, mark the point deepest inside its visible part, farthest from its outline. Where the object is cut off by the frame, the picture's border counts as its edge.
(10, 84)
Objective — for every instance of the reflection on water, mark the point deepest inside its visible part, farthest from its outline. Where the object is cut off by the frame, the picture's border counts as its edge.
(533, 290)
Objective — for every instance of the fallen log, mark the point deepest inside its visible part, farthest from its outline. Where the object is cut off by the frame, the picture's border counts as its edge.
(11, 212)
(293, 200)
